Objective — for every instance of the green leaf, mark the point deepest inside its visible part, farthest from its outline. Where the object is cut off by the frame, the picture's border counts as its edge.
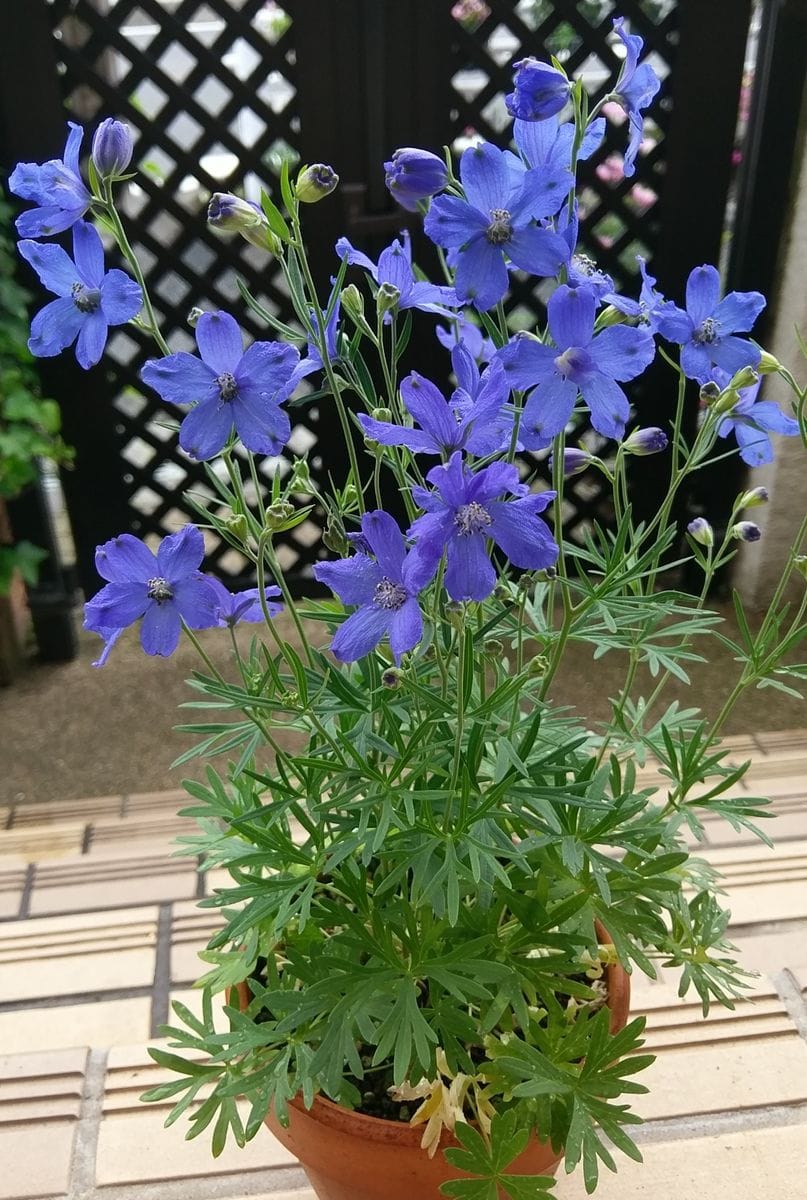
(275, 218)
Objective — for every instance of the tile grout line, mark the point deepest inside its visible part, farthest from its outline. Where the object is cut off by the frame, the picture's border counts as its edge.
(24, 911)
(791, 996)
(161, 989)
(82, 1167)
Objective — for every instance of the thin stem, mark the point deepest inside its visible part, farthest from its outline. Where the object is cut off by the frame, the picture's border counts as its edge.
(128, 253)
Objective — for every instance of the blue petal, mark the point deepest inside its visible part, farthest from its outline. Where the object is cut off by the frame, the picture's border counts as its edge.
(25, 181)
(768, 415)
(406, 628)
(73, 146)
(526, 361)
(395, 267)
(733, 353)
(608, 403)
(269, 367)
(116, 606)
(92, 339)
(675, 325)
(469, 573)
(159, 633)
(180, 554)
(571, 313)
(180, 378)
(430, 409)
(738, 311)
(220, 343)
(355, 257)
(451, 222)
(54, 328)
(755, 446)
(465, 367)
(492, 481)
(398, 435)
(46, 221)
(110, 638)
(52, 264)
(486, 177)
(696, 362)
(386, 541)
(262, 426)
(481, 274)
(547, 411)
(205, 429)
(703, 293)
(430, 297)
(542, 194)
(125, 559)
(522, 535)
(361, 633)
(121, 297)
(622, 352)
(196, 602)
(88, 252)
(353, 580)
(538, 251)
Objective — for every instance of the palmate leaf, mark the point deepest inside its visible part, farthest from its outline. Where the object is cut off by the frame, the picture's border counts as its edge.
(487, 1164)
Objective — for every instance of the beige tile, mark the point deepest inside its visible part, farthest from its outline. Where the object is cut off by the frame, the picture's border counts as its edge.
(791, 740)
(192, 929)
(36, 844)
(99, 1023)
(754, 1164)
(157, 802)
(36, 1160)
(127, 836)
(57, 811)
(41, 1085)
(12, 882)
(88, 883)
(772, 952)
(75, 955)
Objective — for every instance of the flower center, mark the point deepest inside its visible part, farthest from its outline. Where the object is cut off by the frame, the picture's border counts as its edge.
(228, 388)
(472, 518)
(706, 332)
(573, 361)
(585, 265)
(85, 299)
(389, 594)
(500, 229)
(159, 590)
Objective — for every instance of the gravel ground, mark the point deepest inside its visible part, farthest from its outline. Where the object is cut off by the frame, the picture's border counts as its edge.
(70, 731)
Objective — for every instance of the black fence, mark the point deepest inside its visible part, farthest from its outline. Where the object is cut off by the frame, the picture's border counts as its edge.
(220, 93)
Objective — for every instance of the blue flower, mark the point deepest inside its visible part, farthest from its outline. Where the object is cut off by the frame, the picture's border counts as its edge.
(705, 332)
(230, 386)
(112, 148)
(548, 144)
(56, 186)
(385, 588)
(497, 218)
(635, 89)
(463, 332)
(541, 90)
(650, 306)
(413, 175)
(164, 590)
(232, 607)
(752, 421)
(464, 510)
(90, 299)
(394, 268)
(579, 363)
(313, 359)
(472, 420)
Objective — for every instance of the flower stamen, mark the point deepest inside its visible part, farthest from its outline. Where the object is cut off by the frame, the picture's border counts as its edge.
(389, 595)
(227, 386)
(86, 300)
(500, 229)
(472, 518)
(159, 589)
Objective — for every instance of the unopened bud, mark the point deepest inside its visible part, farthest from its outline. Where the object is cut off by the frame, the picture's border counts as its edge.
(334, 538)
(456, 614)
(727, 401)
(546, 575)
(752, 498)
(278, 513)
(232, 214)
(746, 531)
(194, 315)
(575, 460)
(744, 378)
(538, 665)
(112, 148)
(493, 648)
(238, 526)
(387, 297)
(768, 365)
(315, 183)
(646, 441)
(349, 495)
(701, 531)
(709, 393)
(301, 476)
(381, 414)
(609, 316)
(352, 301)
(392, 677)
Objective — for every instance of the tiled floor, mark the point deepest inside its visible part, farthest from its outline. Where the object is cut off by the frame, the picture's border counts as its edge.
(100, 931)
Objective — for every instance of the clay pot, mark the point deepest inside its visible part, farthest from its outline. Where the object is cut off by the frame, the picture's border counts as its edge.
(350, 1156)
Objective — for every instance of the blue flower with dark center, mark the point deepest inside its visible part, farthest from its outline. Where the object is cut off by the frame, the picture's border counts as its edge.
(472, 419)
(496, 222)
(706, 331)
(752, 421)
(579, 364)
(56, 186)
(90, 299)
(242, 606)
(464, 510)
(540, 90)
(230, 387)
(394, 272)
(385, 587)
(164, 589)
(635, 89)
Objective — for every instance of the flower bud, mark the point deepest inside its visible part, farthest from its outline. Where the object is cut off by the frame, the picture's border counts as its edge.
(301, 476)
(112, 148)
(315, 183)
(727, 400)
(546, 575)
(538, 665)
(575, 460)
(701, 531)
(231, 214)
(194, 315)
(540, 92)
(387, 297)
(746, 531)
(493, 648)
(646, 441)
(752, 498)
(456, 614)
(334, 538)
(352, 302)
(237, 526)
(800, 564)
(392, 677)
(278, 513)
(709, 393)
(745, 377)
(414, 175)
(381, 414)
(768, 365)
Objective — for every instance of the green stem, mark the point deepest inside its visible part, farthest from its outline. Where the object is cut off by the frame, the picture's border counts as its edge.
(128, 253)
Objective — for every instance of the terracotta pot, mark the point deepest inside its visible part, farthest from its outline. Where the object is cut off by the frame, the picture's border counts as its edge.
(350, 1156)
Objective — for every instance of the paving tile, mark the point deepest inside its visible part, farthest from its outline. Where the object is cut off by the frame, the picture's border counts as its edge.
(12, 882)
(791, 740)
(87, 883)
(134, 1147)
(40, 1095)
(772, 952)
(763, 884)
(127, 836)
(37, 843)
(77, 955)
(741, 1165)
(97, 1023)
(191, 930)
(56, 811)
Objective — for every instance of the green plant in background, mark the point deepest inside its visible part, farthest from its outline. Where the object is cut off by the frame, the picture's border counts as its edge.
(29, 424)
